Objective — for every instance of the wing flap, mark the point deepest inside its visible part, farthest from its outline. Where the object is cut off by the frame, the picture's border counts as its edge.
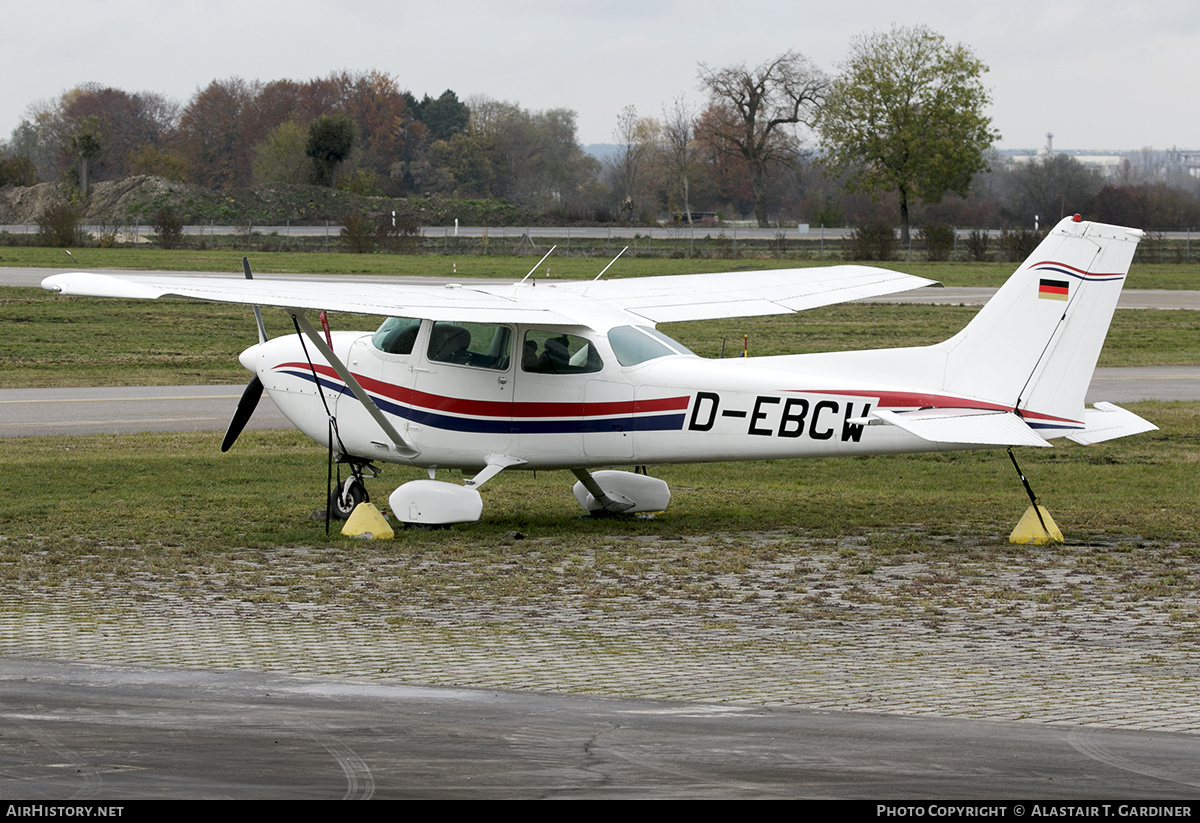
(747, 294)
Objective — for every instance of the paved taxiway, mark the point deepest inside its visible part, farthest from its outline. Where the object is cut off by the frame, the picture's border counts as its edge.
(95, 732)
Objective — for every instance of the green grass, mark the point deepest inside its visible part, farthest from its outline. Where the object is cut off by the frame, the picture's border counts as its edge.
(176, 493)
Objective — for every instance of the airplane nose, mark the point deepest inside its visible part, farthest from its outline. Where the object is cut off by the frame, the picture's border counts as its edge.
(249, 358)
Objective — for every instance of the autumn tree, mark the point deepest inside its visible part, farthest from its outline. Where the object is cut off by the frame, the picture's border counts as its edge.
(210, 133)
(907, 115)
(725, 171)
(756, 110)
(532, 159)
(126, 122)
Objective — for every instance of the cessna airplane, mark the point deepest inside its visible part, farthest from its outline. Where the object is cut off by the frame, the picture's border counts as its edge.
(574, 375)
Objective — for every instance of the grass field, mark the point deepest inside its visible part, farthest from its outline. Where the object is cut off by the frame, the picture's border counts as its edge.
(174, 494)
(172, 507)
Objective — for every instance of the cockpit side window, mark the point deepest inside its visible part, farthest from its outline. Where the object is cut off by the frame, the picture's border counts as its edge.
(396, 335)
(552, 352)
(482, 345)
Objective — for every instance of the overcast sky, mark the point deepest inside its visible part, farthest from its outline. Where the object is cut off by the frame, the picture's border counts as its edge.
(1099, 74)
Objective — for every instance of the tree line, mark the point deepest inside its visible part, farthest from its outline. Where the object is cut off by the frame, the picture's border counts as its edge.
(900, 132)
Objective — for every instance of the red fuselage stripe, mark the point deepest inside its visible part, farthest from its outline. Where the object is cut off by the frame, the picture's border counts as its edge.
(499, 408)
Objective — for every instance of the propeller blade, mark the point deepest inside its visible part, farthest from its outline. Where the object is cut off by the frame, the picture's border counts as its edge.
(241, 415)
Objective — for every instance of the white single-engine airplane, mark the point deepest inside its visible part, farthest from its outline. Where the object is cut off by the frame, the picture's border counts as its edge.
(574, 375)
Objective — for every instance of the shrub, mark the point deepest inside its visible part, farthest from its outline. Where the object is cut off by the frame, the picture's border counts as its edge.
(358, 233)
(396, 231)
(1151, 249)
(939, 241)
(58, 225)
(1018, 244)
(872, 241)
(168, 225)
(977, 245)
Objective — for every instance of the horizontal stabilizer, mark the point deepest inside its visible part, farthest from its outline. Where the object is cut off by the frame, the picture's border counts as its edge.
(978, 428)
(1104, 421)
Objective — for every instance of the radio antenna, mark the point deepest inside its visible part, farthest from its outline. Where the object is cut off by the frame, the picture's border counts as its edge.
(606, 268)
(535, 268)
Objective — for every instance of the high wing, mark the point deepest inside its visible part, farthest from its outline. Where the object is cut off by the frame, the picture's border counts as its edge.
(675, 298)
(599, 304)
(435, 302)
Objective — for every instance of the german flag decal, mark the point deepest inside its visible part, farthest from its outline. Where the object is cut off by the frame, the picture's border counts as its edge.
(1052, 289)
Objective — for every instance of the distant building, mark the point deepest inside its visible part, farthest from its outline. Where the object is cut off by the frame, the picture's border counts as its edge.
(1145, 164)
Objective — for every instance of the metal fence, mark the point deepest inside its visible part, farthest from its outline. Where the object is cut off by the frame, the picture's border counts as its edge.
(700, 241)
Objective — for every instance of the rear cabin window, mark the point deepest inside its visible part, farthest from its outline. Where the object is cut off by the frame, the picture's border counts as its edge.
(550, 352)
(471, 344)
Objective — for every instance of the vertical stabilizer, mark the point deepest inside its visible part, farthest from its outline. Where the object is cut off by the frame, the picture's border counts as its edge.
(1034, 346)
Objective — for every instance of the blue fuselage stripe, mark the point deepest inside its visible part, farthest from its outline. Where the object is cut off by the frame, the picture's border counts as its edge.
(495, 425)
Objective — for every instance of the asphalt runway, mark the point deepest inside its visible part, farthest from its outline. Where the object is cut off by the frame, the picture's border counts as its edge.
(76, 731)
(127, 410)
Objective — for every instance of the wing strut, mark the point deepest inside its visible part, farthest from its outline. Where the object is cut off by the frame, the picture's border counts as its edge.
(262, 330)
(403, 448)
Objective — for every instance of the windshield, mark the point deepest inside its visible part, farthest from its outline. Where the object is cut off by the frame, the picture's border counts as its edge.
(637, 344)
(397, 335)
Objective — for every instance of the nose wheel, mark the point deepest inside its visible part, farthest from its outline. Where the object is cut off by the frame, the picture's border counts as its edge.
(347, 495)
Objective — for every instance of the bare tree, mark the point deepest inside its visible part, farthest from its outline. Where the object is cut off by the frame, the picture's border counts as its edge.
(760, 105)
(637, 139)
(678, 147)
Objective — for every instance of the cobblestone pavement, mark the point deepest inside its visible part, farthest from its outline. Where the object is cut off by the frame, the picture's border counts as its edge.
(1039, 638)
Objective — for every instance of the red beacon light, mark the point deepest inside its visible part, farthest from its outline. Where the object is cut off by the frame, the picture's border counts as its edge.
(1077, 218)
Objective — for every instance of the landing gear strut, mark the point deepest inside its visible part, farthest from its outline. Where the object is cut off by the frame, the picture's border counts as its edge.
(348, 493)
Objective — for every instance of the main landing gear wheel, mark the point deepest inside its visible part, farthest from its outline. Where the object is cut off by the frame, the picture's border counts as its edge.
(346, 497)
